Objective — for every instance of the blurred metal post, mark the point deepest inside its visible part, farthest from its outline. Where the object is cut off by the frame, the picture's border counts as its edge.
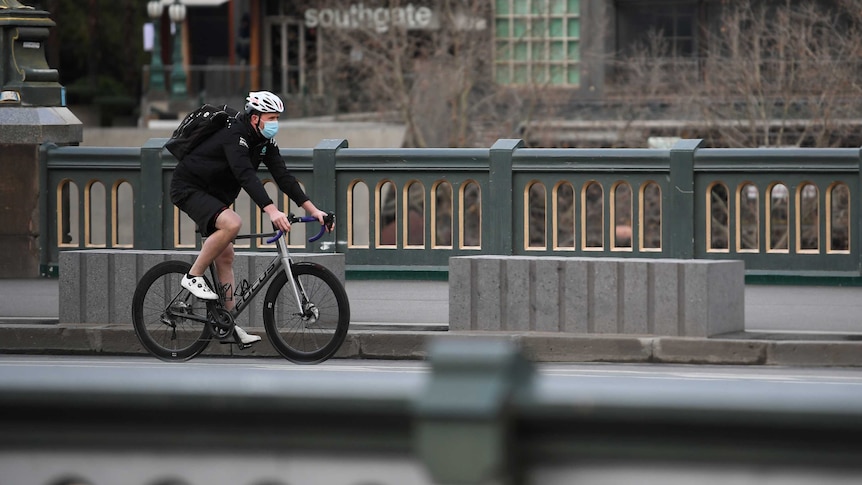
(464, 416)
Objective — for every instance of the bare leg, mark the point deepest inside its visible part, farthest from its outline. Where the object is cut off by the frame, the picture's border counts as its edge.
(224, 268)
(228, 225)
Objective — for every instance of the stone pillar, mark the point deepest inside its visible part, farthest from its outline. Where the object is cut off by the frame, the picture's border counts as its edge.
(32, 112)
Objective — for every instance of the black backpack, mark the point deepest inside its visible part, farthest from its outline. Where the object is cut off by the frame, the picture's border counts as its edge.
(197, 126)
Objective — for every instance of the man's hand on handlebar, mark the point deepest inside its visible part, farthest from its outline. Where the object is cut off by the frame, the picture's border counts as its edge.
(326, 219)
(279, 219)
(326, 226)
(329, 221)
(282, 221)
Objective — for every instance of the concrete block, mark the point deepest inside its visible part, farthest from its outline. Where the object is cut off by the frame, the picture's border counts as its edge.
(688, 350)
(70, 287)
(125, 276)
(460, 293)
(605, 295)
(517, 305)
(666, 289)
(813, 353)
(97, 286)
(42, 338)
(544, 347)
(726, 297)
(118, 339)
(636, 307)
(487, 294)
(547, 295)
(392, 345)
(575, 297)
(350, 349)
(629, 296)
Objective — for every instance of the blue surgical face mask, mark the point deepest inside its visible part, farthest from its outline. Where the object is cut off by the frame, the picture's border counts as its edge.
(270, 128)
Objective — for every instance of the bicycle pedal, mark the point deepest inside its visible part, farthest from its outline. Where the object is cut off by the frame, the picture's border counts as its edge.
(229, 339)
(243, 346)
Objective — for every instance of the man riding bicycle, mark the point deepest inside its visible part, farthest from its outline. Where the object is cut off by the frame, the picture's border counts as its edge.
(208, 180)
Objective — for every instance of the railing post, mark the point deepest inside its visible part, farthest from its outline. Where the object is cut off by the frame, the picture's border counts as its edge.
(678, 224)
(854, 244)
(498, 233)
(48, 242)
(324, 195)
(464, 416)
(150, 232)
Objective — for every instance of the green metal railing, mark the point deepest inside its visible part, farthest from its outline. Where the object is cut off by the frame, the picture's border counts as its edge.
(785, 212)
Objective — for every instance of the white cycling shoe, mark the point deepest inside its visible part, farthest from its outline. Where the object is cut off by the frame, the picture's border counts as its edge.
(244, 337)
(197, 286)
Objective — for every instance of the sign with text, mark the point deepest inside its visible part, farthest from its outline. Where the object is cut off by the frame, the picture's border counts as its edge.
(381, 19)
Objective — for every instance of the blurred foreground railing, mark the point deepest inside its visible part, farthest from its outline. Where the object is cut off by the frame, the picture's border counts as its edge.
(481, 416)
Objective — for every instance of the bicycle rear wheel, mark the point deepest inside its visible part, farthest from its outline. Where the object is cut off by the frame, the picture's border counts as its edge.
(314, 333)
(163, 311)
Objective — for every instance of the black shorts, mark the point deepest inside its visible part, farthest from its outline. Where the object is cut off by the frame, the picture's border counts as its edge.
(203, 208)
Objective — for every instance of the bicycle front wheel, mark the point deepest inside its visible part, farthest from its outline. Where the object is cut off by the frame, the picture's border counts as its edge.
(314, 332)
(169, 321)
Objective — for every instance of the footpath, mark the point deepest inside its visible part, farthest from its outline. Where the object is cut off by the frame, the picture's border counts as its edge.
(784, 325)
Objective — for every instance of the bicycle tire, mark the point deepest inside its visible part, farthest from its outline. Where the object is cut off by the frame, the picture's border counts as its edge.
(160, 329)
(290, 334)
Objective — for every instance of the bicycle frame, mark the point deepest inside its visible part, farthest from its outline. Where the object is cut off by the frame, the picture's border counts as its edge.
(282, 261)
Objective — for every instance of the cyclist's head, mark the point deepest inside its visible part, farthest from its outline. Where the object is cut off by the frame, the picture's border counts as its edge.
(263, 108)
(259, 102)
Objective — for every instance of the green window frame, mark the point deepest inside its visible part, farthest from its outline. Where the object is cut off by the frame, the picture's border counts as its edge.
(537, 42)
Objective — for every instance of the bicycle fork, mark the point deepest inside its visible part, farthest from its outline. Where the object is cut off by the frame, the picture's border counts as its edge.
(307, 310)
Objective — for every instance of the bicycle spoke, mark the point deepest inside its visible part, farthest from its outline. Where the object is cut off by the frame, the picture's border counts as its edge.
(313, 332)
(162, 314)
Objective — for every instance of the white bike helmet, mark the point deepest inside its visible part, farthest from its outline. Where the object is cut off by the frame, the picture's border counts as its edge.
(263, 102)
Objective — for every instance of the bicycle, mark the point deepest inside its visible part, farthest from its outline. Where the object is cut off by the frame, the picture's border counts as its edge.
(305, 324)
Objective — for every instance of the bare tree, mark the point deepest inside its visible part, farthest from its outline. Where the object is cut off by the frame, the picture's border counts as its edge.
(437, 79)
(772, 74)
(783, 76)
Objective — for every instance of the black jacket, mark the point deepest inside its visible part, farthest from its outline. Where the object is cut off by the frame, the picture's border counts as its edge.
(228, 161)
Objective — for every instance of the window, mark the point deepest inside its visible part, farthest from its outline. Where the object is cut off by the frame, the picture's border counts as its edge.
(537, 42)
(470, 201)
(564, 216)
(718, 210)
(621, 237)
(674, 21)
(808, 210)
(650, 219)
(386, 217)
(748, 218)
(593, 215)
(838, 232)
(358, 215)
(777, 224)
(441, 214)
(534, 213)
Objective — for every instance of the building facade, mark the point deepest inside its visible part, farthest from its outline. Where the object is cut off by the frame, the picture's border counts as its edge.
(601, 72)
